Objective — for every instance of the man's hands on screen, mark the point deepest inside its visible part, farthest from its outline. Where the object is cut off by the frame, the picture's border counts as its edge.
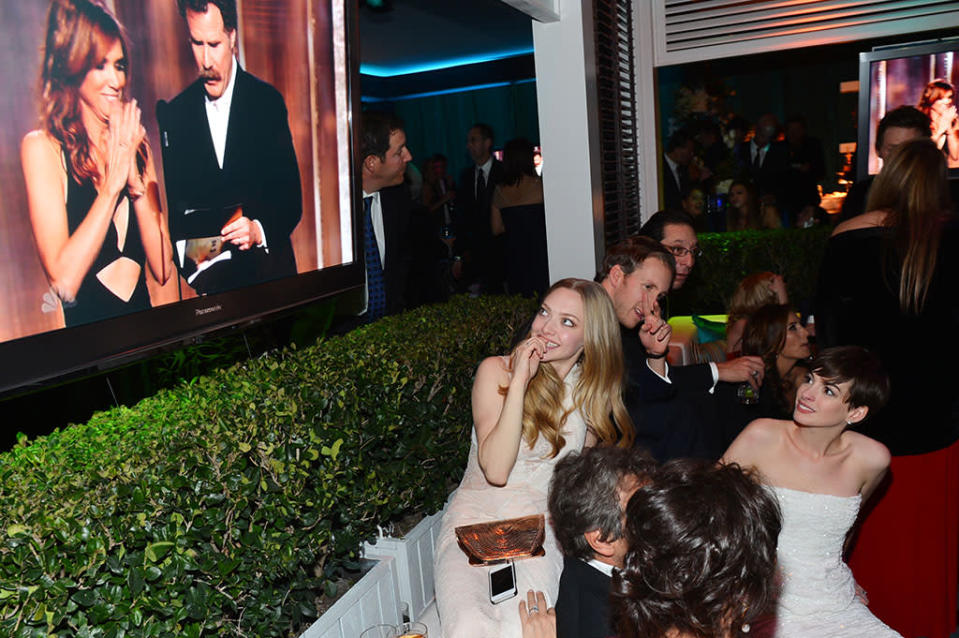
(242, 233)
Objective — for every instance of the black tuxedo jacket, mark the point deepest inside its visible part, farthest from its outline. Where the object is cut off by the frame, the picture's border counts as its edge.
(671, 420)
(673, 192)
(483, 253)
(397, 205)
(582, 606)
(259, 173)
(767, 177)
(472, 208)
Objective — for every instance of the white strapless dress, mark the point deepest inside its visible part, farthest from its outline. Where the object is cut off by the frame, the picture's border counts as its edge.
(462, 590)
(818, 597)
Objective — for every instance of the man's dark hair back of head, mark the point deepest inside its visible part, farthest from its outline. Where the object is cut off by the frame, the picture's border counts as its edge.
(485, 130)
(633, 251)
(702, 552)
(375, 130)
(903, 117)
(677, 139)
(227, 10)
(655, 225)
(584, 495)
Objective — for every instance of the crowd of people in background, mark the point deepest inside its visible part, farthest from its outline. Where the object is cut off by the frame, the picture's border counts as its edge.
(769, 179)
(630, 456)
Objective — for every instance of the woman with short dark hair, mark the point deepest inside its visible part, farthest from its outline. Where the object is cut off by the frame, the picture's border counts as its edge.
(821, 473)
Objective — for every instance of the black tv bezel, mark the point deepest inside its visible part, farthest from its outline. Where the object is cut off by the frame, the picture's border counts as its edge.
(888, 52)
(34, 362)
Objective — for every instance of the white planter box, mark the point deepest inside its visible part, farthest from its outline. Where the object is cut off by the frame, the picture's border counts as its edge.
(413, 561)
(372, 600)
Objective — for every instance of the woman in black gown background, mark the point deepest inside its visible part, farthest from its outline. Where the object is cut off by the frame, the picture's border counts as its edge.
(519, 212)
(888, 283)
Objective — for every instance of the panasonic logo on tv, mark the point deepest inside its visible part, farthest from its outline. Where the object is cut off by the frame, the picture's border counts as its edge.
(206, 311)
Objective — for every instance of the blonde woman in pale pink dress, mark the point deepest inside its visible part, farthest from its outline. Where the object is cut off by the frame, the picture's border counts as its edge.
(554, 394)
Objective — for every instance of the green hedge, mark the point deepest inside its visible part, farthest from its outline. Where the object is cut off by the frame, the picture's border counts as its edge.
(729, 257)
(227, 505)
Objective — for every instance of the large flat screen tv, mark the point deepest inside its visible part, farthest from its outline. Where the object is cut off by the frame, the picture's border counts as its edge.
(894, 76)
(228, 231)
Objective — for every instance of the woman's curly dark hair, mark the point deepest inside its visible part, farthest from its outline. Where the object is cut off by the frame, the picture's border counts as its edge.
(702, 553)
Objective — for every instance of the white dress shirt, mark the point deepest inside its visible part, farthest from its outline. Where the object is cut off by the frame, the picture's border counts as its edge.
(218, 119)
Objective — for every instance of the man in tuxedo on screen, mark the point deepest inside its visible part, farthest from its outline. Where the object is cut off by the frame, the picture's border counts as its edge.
(233, 185)
(385, 214)
(587, 504)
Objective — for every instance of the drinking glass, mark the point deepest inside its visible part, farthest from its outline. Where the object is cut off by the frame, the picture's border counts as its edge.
(410, 630)
(379, 631)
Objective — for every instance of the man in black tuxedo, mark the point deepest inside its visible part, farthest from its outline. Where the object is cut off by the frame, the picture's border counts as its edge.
(233, 185)
(587, 503)
(665, 402)
(764, 160)
(676, 159)
(386, 213)
(481, 252)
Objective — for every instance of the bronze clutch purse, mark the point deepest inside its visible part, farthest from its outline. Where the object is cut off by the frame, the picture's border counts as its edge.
(500, 541)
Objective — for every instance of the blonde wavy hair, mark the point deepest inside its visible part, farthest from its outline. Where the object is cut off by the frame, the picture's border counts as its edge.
(598, 391)
(752, 293)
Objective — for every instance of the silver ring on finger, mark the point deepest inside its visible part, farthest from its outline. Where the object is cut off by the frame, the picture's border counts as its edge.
(533, 609)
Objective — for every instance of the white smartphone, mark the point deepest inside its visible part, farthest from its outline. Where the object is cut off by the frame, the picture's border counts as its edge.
(502, 583)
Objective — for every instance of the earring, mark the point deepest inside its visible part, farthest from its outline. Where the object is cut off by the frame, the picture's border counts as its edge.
(745, 628)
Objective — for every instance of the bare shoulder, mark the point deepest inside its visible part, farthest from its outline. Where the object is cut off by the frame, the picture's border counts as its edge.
(39, 144)
(755, 441)
(866, 220)
(872, 454)
(765, 430)
(492, 370)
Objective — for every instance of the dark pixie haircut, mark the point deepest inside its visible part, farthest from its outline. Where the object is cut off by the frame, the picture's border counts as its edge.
(677, 139)
(633, 251)
(584, 494)
(485, 130)
(517, 160)
(655, 226)
(903, 117)
(868, 382)
(227, 10)
(375, 130)
(702, 552)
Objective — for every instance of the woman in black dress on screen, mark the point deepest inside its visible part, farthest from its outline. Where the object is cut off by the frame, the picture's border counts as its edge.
(518, 211)
(888, 283)
(938, 101)
(91, 183)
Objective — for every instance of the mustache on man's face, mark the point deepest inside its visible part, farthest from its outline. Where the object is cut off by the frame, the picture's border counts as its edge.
(210, 74)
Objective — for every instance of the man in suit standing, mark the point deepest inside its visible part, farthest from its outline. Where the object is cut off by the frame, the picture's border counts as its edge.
(386, 213)
(233, 185)
(763, 159)
(481, 252)
(676, 159)
(587, 504)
